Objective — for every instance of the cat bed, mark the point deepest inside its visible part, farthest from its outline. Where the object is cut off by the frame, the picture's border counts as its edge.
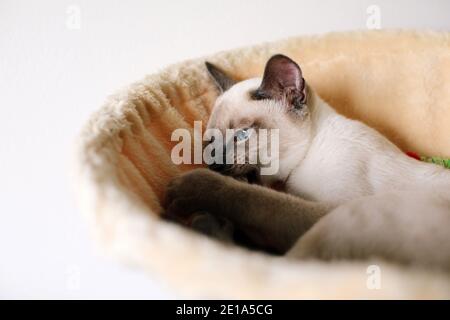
(397, 82)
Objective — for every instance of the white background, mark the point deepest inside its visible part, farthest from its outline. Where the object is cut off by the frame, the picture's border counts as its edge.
(53, 76)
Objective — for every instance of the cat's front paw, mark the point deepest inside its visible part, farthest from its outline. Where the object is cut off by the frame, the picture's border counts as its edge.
(193, 191)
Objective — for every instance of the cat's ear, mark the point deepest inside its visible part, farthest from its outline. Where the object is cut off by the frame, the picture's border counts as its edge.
(222, 80)
(282, 80)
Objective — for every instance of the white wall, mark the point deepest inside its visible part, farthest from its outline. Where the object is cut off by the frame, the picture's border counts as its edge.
(54, 74)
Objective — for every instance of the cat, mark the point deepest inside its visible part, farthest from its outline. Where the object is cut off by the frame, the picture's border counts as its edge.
(349, 192)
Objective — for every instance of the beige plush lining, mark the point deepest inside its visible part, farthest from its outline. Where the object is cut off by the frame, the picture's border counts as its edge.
(397, 82)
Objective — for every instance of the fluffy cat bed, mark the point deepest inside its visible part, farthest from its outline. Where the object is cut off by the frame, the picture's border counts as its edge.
(397, 82)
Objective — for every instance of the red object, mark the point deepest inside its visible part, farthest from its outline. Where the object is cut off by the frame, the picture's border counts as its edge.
(413, 155)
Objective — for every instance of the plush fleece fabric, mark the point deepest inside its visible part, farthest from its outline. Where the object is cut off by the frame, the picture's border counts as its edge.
(395, 81)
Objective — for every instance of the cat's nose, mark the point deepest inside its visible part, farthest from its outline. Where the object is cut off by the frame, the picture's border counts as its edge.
(219, 167)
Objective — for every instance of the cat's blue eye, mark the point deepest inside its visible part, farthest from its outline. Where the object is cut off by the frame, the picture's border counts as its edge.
(242, 134)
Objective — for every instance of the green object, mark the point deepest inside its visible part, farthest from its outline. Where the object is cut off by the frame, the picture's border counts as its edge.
(436, 160)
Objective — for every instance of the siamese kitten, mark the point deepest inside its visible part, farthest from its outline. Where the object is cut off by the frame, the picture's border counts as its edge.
(350, 192)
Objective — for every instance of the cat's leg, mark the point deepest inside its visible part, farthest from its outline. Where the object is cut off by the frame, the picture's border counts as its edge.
(407, 227)
(267, 216)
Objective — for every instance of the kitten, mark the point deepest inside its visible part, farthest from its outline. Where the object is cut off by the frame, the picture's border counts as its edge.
(350, 192)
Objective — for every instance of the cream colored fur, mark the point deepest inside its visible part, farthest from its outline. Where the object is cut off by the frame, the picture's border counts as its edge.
(396, 82)
(388, 204)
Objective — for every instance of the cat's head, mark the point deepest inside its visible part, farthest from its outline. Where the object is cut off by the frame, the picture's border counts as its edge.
(279, 100)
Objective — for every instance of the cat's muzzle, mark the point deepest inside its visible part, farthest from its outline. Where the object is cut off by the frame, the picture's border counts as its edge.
(246, 172)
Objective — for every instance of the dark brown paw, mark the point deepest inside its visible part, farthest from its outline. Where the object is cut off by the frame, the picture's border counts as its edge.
(193, 191)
